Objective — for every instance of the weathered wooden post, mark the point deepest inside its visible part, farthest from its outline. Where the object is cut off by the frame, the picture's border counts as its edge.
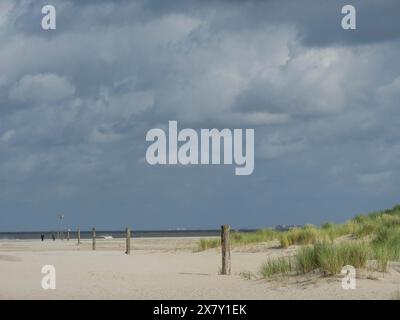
(68, 234)
(79, 236)
(94, 239)
(128, 241)
(225, 250)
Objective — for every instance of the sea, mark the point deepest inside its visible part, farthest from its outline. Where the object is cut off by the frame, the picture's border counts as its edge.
(114, 234)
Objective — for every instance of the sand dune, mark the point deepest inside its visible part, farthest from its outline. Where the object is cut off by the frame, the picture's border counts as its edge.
(166, 268)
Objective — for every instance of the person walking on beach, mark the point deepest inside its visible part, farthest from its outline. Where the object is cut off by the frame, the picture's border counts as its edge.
(53, 236)
(42, 237)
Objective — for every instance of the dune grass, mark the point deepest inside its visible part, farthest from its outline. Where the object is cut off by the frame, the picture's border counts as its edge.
(209, 243)
(307, 235)
(324, 257)
(240, 238)
(377, 234)
(281, 266)
(330, 258)
(243, 238)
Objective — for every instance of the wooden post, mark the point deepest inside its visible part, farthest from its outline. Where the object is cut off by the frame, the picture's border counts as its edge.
(128, 241)
(68, 235)
(79, 236)
(225, 250)
(94, 239)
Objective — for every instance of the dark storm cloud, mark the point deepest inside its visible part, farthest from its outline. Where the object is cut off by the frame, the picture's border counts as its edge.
(76, 103)
(316, 21)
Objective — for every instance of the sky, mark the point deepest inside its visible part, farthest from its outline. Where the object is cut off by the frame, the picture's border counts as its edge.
(76, 104)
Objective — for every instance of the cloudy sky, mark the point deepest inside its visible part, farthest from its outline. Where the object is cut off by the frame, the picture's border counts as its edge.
(77, 102)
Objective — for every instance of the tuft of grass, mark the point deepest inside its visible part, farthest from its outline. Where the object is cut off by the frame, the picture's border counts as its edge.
(306, 260)
(284, 241)
(331, 258)
(281, 266)
(323, 256)
(382, 257)
(244, 238)
(366, 228)
(386, 246)
(205, 244)
(328, 258)
(240, 238)
(356, 254)
(302, 236)
(380, 232)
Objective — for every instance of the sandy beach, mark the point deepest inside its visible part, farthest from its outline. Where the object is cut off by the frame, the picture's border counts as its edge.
(167, 268)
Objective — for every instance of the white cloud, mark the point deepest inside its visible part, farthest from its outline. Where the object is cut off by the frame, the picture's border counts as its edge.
(41, 88)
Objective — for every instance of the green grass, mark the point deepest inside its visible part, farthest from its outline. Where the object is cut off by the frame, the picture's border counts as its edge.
(378, 235)
(205, 244)
(240, 238)
(386, 245)
(279, 266)
(325, 257)
(302, 236)
(331, 258)
(306, 260)
(381, 255)
(244, 238)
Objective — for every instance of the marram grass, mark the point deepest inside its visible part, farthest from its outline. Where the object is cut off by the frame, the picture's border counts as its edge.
(324, 257)
(378, 235)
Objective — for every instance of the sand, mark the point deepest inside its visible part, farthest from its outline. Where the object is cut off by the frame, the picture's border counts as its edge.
(167, 268)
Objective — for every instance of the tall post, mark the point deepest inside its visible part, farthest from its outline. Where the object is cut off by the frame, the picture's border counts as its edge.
(128, 241)
(225, 250)
(60, 232)
(79, 236)
(94, 239)
(68, 231)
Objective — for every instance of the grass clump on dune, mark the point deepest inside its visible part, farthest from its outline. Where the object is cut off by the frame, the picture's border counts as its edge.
(240, 238)
(205, 244)
(325, 257)
(379, 240)
(279, 266)
(378, 228)
(386, 246)
(306, 260)
(331, 258)
(306, 235)
(243, 238)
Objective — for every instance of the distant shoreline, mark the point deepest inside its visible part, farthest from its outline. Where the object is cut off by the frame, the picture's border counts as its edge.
(116, 234)
(15, 235)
